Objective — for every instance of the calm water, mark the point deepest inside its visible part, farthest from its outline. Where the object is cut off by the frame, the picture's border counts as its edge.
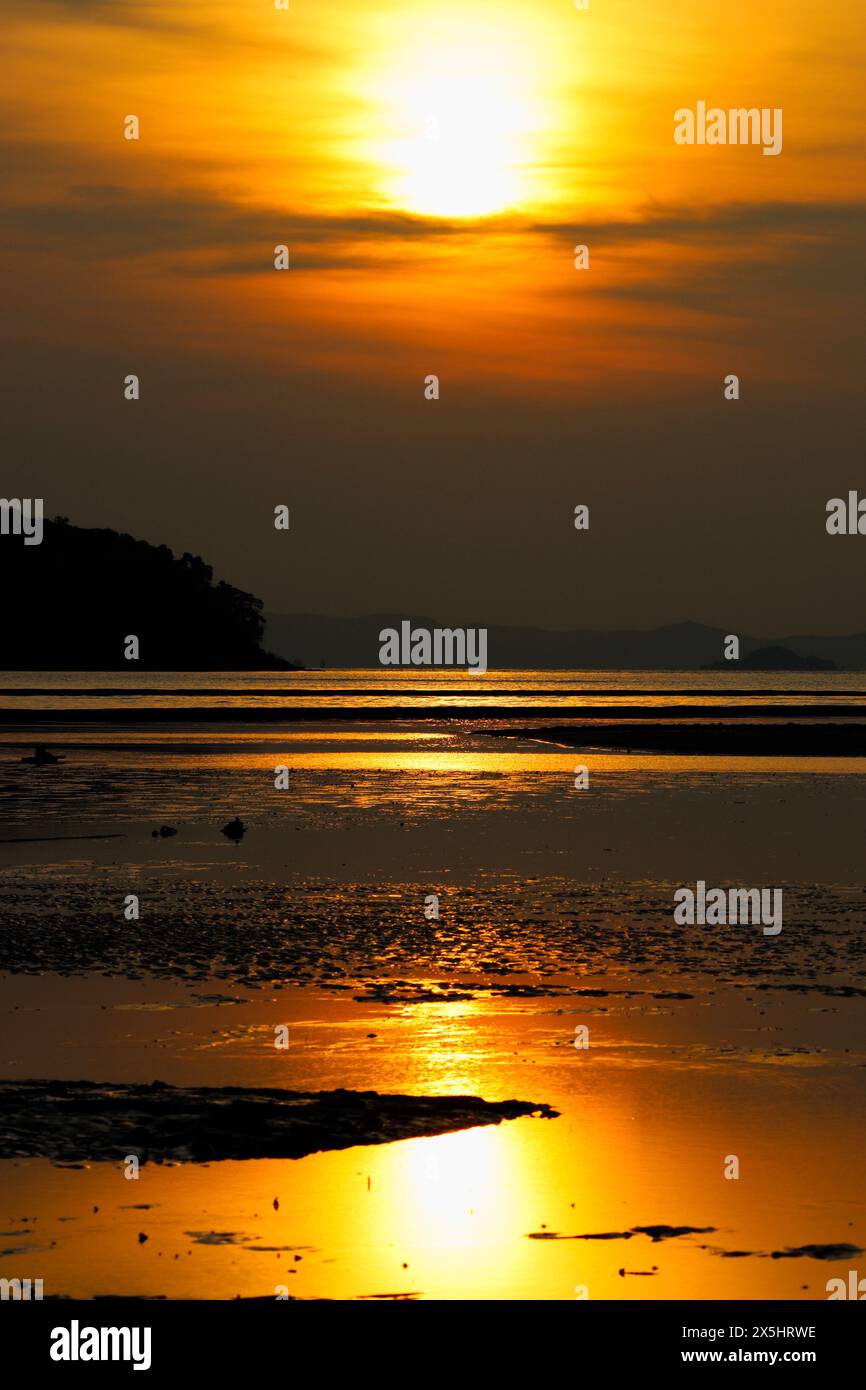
(366, 688)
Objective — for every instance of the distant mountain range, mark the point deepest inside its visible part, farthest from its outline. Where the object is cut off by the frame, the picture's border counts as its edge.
(316, 640)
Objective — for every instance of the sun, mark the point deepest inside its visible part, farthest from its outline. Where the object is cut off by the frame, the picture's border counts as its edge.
(461, 116)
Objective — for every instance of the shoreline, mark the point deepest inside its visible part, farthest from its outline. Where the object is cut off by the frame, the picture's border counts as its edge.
(715, 740)
(613, 717)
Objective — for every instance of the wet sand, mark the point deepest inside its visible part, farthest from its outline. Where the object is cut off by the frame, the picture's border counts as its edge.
(83, 1121)
(790, 740)
(667, 1089)
(555, 912)
(88, 713)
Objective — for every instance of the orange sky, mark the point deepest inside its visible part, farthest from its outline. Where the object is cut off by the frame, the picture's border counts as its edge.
(362, 135)
(367, 135)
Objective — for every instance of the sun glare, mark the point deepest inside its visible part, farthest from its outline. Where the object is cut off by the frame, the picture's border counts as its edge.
(462, 117)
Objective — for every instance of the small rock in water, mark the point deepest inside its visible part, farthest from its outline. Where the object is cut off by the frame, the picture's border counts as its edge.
(235, 829)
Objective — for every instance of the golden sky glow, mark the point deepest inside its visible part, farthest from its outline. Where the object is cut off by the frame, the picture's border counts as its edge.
(431, 168)
(418, 157)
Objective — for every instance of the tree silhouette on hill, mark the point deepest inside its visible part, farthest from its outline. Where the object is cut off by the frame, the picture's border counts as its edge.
(72, 601)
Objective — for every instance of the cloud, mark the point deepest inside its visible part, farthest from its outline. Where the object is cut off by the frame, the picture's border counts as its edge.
(209, 233)
(715, 223)
(734, 260)
(127, 14)
(737, 262)
(163, 18)
(108, 220)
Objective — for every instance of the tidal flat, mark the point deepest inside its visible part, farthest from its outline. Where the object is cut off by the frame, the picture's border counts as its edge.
(554, 924)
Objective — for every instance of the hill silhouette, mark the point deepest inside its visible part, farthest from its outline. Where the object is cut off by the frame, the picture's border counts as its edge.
(775, 659)
(71, 603)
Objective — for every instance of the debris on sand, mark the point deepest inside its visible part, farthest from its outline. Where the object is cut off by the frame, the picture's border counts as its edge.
(817, 1252)
(70, 1121)
(602, 1235)
(794, 1252)
(215, 1237)
(656, 1233)
(43, 757)
(234, 829)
